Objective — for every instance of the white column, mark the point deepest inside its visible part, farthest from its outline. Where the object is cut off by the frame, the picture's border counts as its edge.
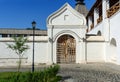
(108, 4)
(106, 27)
(8, 35)
(89, 22)
(105, 7)
(50, 46)
(0, 35)
(54, 52)
(78, 52)
(96, 16)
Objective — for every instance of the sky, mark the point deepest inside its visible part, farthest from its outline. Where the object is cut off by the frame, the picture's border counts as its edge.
(20, 13)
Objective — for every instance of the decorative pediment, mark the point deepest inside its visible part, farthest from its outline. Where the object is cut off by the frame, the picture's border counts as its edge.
(66, 15)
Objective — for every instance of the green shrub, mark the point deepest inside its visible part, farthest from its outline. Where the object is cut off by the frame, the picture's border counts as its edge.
(47, 75)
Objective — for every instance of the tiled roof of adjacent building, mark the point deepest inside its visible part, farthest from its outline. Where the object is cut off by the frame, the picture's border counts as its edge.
(22, 31)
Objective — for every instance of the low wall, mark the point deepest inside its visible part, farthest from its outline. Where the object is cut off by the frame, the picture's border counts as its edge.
(95, 52)
(9, 57)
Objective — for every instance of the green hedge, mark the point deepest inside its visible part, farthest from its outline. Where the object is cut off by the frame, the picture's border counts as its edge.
(47, 75)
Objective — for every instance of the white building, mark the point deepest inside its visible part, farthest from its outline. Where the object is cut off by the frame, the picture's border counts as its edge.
(71, 38)
(103, 21)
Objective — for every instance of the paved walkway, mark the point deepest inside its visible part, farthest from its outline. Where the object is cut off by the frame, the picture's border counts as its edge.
(97, 72)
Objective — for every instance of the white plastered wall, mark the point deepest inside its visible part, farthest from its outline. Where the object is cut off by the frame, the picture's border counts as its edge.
(95, 52)
(114, 22)
(8, 57)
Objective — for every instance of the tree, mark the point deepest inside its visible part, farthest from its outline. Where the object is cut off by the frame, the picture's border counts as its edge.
(19, 47)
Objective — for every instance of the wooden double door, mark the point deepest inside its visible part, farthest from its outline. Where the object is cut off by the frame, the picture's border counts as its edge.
(66, 49)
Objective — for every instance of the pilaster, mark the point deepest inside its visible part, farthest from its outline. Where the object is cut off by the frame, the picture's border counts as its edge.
(89, 23)
(96, 16)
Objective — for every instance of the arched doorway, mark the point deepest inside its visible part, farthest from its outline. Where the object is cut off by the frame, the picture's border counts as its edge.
(66, 49)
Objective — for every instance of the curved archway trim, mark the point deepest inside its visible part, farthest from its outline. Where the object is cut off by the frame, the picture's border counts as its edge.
(67, 32)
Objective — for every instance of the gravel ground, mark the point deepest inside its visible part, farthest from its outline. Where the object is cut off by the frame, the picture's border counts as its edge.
(98, 72)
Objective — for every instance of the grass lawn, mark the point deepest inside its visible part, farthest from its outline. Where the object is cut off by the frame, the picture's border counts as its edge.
(47, 75)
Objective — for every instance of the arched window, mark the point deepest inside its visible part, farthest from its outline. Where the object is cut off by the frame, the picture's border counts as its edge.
(99, 33)
(113, 42)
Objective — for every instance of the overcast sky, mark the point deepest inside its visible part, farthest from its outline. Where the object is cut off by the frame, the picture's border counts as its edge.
(20, 13)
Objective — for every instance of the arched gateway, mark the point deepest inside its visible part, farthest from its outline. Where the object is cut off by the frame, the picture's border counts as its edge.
(66, 49)
(66, 31)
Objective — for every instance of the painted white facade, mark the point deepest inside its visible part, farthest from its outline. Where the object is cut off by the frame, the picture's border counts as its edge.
(102, 44)
(61, 23)
(109, 28)
(9, 58)
(95, 52)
